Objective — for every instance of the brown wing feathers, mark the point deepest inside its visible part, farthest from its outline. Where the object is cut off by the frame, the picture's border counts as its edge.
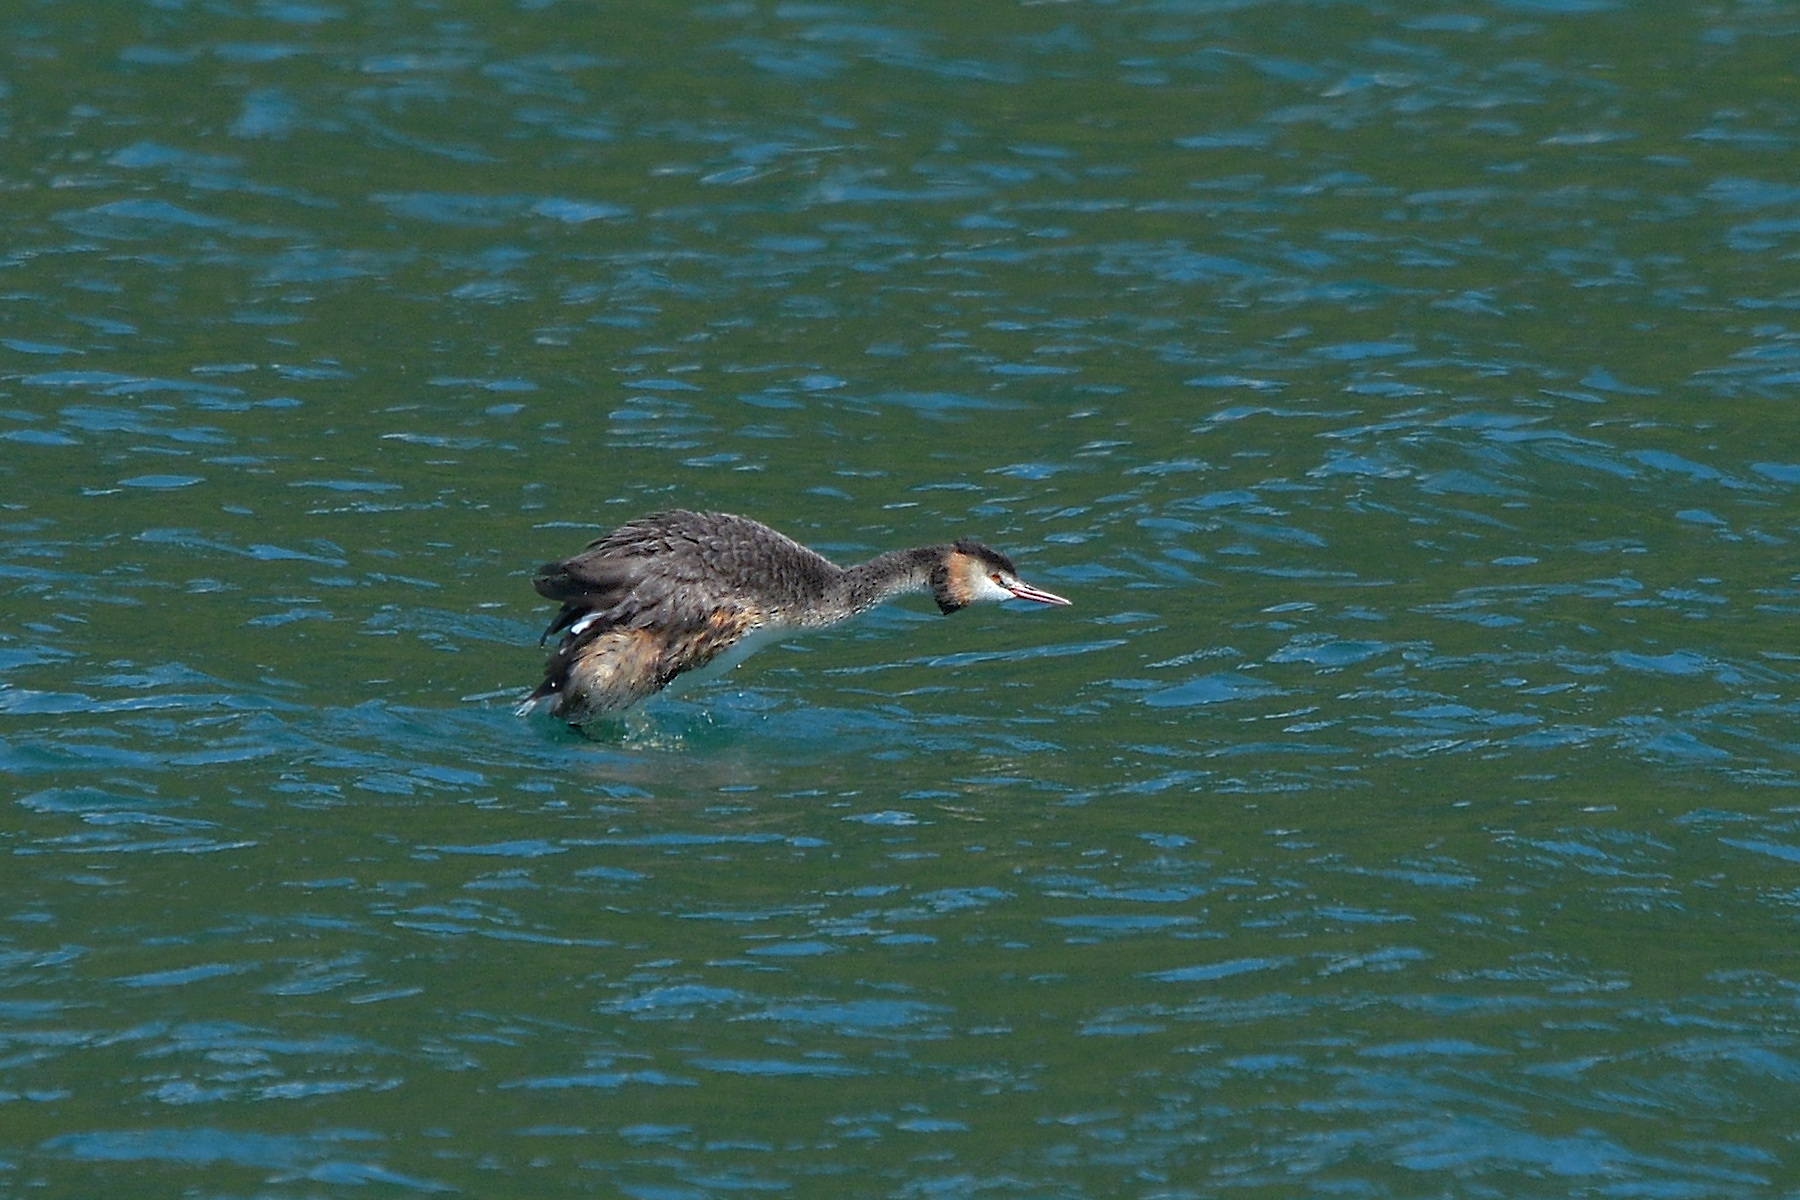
(645, 622)
(594, 586)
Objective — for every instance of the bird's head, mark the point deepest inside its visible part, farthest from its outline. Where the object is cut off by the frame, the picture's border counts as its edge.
(971, 571)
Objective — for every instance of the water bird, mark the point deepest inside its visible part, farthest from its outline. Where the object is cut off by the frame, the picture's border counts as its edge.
(674, 592)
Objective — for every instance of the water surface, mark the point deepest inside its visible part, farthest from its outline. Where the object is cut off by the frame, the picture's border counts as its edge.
(1407, 804)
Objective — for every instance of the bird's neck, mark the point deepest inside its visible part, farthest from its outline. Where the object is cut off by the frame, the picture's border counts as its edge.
(892, 574)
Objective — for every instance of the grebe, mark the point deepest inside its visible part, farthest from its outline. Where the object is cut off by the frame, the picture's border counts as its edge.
(675, 591)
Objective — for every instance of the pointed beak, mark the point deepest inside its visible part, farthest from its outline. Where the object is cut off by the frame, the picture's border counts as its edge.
(1024, 591)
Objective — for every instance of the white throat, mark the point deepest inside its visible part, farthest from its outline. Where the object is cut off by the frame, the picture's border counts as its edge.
(984, 588)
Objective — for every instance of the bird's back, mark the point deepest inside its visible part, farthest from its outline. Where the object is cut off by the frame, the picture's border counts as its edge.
(678, 568)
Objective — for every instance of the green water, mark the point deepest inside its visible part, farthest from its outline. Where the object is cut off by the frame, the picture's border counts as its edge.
(1404, 395)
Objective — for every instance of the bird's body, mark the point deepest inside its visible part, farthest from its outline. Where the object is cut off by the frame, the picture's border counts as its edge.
(677, 591)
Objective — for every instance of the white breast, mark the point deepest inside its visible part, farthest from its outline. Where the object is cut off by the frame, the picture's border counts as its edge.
(745, 646)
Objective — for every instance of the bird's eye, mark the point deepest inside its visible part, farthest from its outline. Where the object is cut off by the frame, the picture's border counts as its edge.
(996, 577)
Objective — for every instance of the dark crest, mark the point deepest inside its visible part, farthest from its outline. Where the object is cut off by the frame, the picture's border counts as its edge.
(986, 554)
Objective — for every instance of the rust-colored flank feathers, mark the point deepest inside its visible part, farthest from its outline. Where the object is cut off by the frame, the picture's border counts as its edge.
(677, 591)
